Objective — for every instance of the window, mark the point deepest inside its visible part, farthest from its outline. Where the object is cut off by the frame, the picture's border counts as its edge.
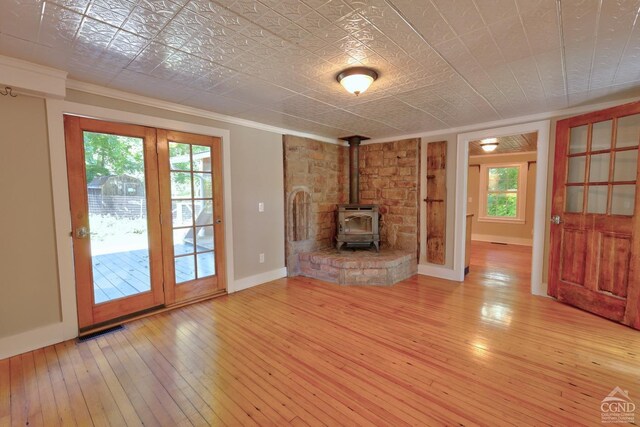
(503, 192)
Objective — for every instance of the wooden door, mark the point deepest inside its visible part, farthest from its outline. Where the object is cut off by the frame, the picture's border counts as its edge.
(192, 215)
(436, 201)
(595, 242)
(115, 215)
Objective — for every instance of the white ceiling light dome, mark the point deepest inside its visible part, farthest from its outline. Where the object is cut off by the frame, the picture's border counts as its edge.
(489, 144)
(357, 80)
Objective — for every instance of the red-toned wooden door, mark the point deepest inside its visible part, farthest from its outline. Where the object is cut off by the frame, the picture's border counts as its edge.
(115, 216)
(190, 169)
(595, 226)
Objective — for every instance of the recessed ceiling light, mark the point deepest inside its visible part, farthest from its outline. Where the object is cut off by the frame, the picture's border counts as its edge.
(356, 80)
(489, 144)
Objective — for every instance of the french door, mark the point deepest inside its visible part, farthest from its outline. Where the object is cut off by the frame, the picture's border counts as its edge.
(142, 204)
(190, 189)
(595, 231)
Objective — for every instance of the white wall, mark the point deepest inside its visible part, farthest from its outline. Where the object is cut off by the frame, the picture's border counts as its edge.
(257, 175)
(29, 290)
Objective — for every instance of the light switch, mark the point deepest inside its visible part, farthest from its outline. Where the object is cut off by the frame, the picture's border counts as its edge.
(260, 206)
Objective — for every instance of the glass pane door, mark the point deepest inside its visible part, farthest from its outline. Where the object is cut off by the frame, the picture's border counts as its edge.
(190, 174)
(192, 211)
(611, 159)
(119, 236)
(114, 201)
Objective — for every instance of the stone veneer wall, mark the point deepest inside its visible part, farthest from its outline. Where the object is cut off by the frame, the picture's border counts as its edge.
(322, 170)
(389, 178)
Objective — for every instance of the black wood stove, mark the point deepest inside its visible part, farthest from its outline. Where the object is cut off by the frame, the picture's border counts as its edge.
(358, 225)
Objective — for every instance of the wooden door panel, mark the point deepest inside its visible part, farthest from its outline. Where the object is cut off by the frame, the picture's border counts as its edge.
(595, 250)
(574, 246)
(614, 263)
(603, 305)
(436, 201)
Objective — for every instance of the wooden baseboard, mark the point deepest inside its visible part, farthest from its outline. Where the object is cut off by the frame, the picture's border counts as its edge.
(439, 271)
(33, 339)
(258, 279)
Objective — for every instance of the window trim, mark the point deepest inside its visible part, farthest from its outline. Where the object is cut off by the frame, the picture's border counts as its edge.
(522, 193)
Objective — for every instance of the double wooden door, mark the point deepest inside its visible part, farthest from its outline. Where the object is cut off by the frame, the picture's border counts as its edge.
(595, 230)
(146, 207)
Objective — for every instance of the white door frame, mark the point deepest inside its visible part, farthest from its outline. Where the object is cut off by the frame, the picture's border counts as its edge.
(68, 328)
(538, 287)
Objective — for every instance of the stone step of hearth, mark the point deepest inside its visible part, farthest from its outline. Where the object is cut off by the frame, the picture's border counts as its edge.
(358, 267)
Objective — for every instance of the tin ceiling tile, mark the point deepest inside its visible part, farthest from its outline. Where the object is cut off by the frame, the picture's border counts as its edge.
(541, 25)
(334, 10)
(462, 15)
(511, 39)
(579, 20)
(426, 20)
(482, 46)
(21, 19)
(80, 6)
(59, 27)
(441, 63)
(496, 10)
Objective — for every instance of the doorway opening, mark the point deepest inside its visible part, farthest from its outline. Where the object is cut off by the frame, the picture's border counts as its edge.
(147, 212)
(501, 184)
(541, 129)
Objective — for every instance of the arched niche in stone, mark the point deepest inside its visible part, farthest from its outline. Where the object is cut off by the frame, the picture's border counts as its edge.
(299, 218)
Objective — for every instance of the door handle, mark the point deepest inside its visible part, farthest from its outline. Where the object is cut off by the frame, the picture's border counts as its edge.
(555, 219)
(82, 232)
(218, 221)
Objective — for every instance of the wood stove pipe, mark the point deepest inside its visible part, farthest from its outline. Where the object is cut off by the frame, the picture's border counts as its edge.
(354, 164)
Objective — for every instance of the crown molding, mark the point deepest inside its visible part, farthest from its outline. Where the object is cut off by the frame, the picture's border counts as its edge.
(192, 111)
(32, 79)
(506, 122)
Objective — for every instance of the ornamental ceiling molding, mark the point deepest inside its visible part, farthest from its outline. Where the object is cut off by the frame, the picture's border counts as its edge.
(32, 79)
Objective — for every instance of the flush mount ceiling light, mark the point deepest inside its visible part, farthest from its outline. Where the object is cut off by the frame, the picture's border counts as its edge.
(489, 144)
(357, 79)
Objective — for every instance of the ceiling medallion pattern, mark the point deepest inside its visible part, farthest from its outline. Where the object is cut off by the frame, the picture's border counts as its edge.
(442, 63)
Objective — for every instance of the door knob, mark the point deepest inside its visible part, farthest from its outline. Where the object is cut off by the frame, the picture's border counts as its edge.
(555, 219)
(82, 232)
(218, 221)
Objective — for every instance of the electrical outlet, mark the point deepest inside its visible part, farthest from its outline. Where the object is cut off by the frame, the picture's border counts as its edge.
(260, 206)
(261, 258)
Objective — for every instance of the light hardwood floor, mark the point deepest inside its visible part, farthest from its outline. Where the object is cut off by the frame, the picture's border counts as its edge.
(497, 263)
(304, 352)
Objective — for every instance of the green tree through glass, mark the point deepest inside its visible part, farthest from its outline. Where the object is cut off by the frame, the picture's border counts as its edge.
(107, 155)
(502, 192)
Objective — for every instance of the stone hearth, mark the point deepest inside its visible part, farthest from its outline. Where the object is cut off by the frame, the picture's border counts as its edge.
(346, 267)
